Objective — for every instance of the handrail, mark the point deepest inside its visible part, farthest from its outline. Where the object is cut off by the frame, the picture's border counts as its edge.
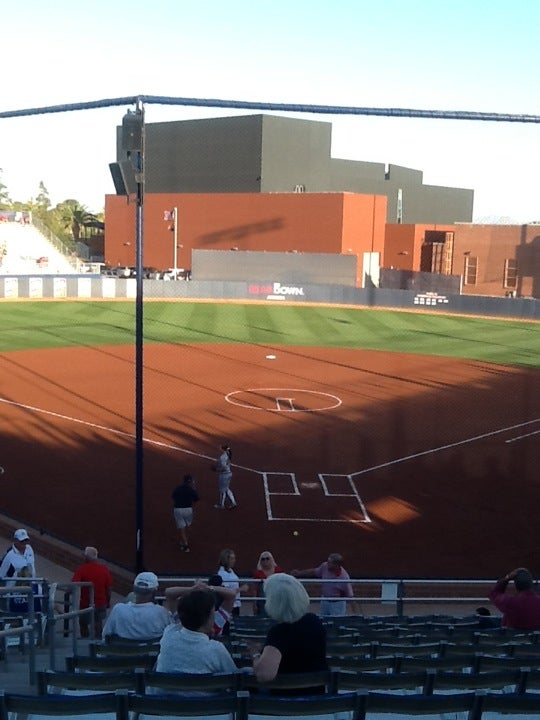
(25, 629)
(29, 620)
(51, 237)
(399, 592)
(71, 616)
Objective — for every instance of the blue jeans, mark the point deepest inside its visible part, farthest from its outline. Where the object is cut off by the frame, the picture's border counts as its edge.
(333, 608)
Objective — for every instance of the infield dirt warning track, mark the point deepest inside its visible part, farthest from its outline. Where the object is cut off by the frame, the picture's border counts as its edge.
(409, 465)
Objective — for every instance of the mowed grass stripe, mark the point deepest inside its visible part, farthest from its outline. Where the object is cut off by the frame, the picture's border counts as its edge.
(32, 325)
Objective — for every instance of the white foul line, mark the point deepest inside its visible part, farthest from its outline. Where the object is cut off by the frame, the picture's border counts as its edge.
(521, 437)
(264, 474)
(444, 447)
(96, 426)
(122, 433)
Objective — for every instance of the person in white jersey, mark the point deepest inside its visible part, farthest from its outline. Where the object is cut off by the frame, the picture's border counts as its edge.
(227, 559)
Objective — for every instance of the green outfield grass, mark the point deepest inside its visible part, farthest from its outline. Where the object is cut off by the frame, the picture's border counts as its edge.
(32, 325)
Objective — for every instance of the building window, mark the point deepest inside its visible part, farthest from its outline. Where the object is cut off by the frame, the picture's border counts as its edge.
(510, 273)
(437, 252)
(470, 270)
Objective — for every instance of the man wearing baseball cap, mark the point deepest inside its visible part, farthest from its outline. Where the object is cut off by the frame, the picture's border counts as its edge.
(20, 556)
(142, 618)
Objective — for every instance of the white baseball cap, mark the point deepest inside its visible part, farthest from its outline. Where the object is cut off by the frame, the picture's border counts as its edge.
(146, 581)
(21, 535)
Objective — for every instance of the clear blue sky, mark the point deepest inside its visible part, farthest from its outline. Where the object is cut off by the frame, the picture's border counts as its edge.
(424, 54)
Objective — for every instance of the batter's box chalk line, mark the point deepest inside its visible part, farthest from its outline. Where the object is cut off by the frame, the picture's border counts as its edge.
(296, 491)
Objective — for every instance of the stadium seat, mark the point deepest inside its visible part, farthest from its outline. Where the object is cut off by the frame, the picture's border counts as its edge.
(103, 664)
(64, 683)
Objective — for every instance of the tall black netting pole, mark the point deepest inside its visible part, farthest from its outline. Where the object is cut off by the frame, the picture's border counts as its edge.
(133, 143)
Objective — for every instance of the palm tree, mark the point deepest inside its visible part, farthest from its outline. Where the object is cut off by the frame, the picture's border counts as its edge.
(75, 217)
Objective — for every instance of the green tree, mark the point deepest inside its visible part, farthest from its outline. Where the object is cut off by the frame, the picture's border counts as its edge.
(74, 217)
(43, 201)
(5, 201)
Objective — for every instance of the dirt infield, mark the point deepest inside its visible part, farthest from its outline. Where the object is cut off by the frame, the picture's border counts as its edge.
(409, 465)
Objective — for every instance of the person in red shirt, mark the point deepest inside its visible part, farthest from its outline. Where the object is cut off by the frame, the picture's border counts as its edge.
(99, 575)
(521, 610)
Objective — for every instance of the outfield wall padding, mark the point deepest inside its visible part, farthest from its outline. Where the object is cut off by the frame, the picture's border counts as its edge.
(108, 288)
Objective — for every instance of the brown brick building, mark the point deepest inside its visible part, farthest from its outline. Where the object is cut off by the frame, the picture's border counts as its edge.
(492, 259)
(269, 184)
(337, 223)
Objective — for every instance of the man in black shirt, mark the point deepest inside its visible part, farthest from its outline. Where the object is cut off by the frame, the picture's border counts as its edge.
(183, 497)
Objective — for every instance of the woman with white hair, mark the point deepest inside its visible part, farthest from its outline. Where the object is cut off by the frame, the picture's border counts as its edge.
(297, 643)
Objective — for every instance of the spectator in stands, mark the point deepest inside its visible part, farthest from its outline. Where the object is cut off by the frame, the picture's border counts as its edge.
(18, 604)
(225, 598)
(188, 647)
(266, 566)
(486, 621)
(297, 643)
(521, 610)
(19, 556)
(141, 619)
(99, 575)
(333, 593)
(227, 560)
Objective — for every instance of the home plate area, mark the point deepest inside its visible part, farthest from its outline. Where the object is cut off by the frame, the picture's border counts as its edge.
(319, 498)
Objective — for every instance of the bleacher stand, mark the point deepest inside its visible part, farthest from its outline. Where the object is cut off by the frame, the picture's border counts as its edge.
(26, 251)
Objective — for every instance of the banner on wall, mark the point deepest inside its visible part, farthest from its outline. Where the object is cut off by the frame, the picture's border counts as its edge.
(131, 288)
(11, 287)
(430, 298)
(59, 287)
(35, 287)
(84, 287)
(276, 291)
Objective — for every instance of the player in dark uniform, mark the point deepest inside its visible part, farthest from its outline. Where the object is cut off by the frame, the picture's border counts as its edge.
(184, 496)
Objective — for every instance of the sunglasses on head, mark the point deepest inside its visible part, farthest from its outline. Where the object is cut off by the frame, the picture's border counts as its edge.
(265, 557)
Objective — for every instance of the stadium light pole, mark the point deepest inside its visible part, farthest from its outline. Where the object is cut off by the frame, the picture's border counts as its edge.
(175, 240)
(133, 144)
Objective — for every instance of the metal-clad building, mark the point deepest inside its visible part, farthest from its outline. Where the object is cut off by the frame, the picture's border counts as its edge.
(269, 154)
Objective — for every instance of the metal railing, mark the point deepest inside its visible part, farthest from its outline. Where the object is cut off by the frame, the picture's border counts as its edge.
(25, 627)
(58, 244)
(397, 595)
(61, 606)
(39, 628)
(69, 616)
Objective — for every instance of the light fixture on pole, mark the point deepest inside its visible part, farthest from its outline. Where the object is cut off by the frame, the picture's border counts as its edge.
(175, 236)
(172, 216)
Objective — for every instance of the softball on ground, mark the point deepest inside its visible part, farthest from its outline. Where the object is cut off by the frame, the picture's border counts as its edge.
(296, 533)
